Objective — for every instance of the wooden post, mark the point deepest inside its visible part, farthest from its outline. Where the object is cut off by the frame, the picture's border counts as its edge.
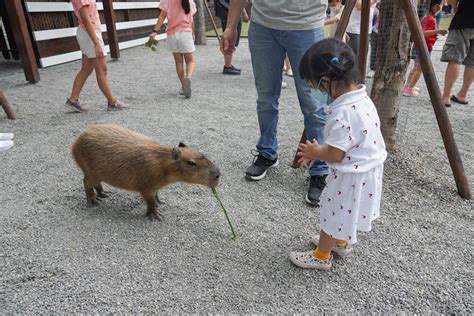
(199, 24)
(344, 21)
(340, 31)
(6, 106)
(454, 157)
(212, 19)
(22, 39)
(364, 39)
(112, 36)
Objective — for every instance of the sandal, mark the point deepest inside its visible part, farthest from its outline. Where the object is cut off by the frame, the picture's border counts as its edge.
(457, 100)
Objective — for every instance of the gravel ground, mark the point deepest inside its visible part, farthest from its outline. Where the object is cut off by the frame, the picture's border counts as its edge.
(59, 257)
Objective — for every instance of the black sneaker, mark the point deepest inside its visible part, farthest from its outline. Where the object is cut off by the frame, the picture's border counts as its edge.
(231, 70)
(316, 186)
(259, 167)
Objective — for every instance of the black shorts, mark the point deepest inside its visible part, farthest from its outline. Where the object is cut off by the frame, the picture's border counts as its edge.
(239, 30)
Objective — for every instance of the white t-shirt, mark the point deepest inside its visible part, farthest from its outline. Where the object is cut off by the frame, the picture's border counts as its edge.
(354, 21)
(353, 126)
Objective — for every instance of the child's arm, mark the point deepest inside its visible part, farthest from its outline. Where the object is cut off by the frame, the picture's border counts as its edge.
(158, 24)
(310, 151)
(332, 20)
(434, 32)
(84, 12)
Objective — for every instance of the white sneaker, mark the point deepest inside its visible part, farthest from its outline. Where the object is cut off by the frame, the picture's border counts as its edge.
(6, 136)
(181, 92)
(6, 144)
(341, 250)
(306, 260)
(284, 85)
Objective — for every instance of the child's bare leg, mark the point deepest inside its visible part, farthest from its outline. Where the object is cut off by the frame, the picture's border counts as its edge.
(178, 60)
(287, 63)
(189, 59)
(81, 77)
(100, 66)
(415, 75)
(326, 242)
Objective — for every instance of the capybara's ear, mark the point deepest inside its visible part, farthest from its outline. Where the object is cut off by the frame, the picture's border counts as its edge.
(175, 153)
(182, 145)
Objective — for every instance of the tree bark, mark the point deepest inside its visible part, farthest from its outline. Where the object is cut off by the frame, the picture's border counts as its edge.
(392, 60)
(200, 24)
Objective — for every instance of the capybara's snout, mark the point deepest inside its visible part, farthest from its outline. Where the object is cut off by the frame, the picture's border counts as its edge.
(215, 176)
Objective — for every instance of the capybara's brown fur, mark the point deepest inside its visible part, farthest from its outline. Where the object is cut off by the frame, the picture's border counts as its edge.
(128, 160)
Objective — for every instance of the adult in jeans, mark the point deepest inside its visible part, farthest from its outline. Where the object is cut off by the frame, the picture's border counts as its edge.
(459, 49)
(279, 27)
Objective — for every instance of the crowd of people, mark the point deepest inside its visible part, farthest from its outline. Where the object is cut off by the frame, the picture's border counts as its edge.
(345, 150)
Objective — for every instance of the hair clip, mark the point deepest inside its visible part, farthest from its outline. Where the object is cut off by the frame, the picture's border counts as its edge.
(335, 60)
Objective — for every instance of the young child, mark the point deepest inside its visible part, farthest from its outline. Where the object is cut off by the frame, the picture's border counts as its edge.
(336, 7)
(428, 24)
(89, 37)
(179, 37)
(354, 148)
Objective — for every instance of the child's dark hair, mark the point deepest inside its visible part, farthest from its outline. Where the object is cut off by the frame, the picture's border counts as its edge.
(186, 6)
(331, 59)
(434, 2)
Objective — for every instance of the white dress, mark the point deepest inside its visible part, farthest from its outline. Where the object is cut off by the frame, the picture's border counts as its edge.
(351, 199)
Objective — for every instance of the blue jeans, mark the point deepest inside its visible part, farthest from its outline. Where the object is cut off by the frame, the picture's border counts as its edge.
(267, 49)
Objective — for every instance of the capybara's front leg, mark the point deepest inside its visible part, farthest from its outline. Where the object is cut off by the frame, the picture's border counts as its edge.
(100, 191)
(90, 195)
(151, 212)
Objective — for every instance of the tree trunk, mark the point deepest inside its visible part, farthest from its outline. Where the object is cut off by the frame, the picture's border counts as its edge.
(392, 60)
(200, 23)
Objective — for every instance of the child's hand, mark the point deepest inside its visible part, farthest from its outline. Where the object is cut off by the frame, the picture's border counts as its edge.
(152, 42)
(99, 53)
(308, 152)
(442, 31)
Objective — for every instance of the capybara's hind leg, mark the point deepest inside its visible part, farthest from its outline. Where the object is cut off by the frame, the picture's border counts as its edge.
(100, 191)
(90, 195)
(151, 212)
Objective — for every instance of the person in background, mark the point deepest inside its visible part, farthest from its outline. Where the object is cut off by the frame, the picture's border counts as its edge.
(335, 11)
(89, 38)
(459, 49)
(179, 36)
(222, 10)
(428, 24)
(373, 39)
(353, 27)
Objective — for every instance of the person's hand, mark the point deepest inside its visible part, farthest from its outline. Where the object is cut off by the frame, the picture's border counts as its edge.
(99, 53)
(442, 31)
(245, 18)
(228, 39)
(308, 152)
(151, 37)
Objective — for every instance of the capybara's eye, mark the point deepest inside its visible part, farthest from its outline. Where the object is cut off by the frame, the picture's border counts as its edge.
(191, 162)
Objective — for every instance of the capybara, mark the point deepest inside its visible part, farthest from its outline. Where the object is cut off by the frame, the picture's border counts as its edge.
(128, 160)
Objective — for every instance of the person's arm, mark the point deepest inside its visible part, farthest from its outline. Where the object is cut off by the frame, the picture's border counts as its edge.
(311, 151)
(159, 23)
(434, 32)
(245, 16)
(86, 20)
(332, 20)
(228, 38)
